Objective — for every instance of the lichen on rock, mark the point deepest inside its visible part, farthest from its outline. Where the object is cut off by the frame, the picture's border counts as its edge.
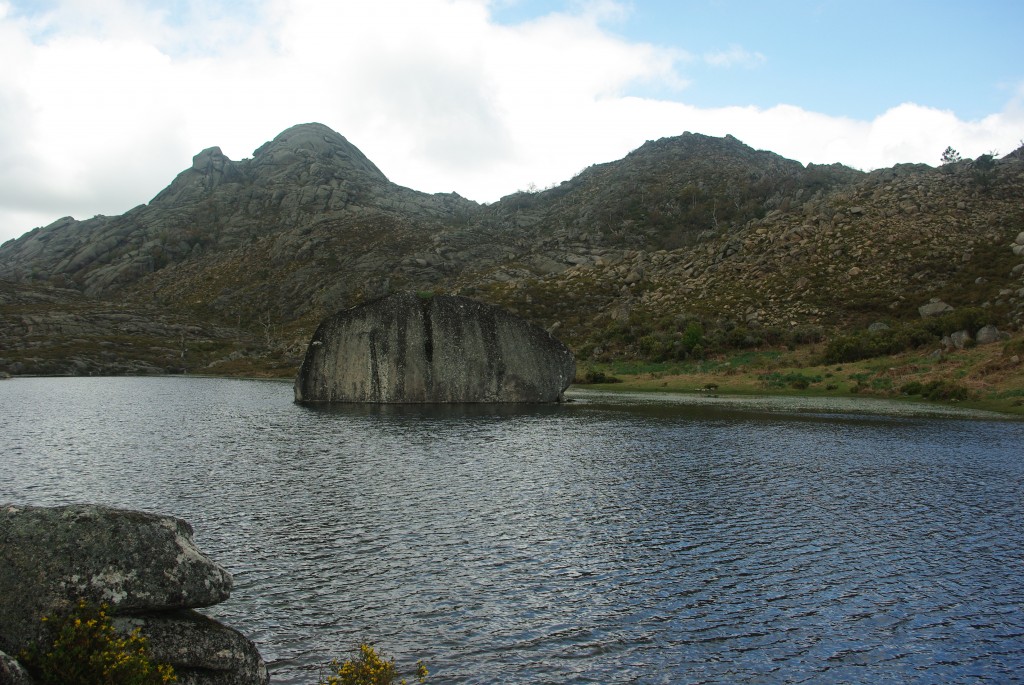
(145, 567)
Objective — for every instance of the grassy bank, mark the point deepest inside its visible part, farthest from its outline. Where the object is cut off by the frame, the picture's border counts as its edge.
(985, 377)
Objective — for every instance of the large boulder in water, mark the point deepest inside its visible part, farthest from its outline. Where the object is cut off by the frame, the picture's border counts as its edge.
(408, 348)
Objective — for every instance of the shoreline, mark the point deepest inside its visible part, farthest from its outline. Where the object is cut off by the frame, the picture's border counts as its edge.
(793, 402)
(980, 378)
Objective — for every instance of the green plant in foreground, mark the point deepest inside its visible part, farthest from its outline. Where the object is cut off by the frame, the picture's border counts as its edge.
(368, 668)
(83, 648)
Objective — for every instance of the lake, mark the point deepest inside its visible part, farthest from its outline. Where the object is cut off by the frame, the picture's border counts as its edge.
(614, 539)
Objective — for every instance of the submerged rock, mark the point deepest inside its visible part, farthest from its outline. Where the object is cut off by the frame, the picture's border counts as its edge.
(407, 348)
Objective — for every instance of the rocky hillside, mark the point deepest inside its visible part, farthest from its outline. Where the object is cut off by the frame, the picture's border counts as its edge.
(48, 330)
(688, 245)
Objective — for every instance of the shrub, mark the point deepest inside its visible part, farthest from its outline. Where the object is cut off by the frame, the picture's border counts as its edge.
(967, 318)
(83, 648)
(651, 347)
(803, 335)
(586, 351)
(741, 338)
(592, 375)
(911, 388)
(693, 336)
(881, 383)
(847, 348)
(868, 344)
(944, 390)
(983, 167)
(368, 668)
(1014, 347)
(795, 380)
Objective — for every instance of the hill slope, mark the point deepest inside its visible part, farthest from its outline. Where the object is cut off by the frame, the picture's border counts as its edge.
(686, 239)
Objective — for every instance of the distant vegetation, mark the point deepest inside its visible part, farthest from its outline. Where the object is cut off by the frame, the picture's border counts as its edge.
(905, 336)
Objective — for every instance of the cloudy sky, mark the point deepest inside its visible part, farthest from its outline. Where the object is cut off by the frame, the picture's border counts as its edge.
(103, 102)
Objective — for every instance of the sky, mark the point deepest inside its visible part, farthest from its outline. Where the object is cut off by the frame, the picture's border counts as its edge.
(104, 102)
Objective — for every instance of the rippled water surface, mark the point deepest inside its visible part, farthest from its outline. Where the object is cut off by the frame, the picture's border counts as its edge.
(610, 540)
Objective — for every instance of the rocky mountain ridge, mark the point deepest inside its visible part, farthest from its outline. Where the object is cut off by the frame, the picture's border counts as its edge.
(687, 230)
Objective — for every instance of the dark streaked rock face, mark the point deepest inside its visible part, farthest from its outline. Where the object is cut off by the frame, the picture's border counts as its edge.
(406, 348)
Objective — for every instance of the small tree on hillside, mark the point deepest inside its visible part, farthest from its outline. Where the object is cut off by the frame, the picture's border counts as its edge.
(983, 168)
(950, 156)
(986, 162)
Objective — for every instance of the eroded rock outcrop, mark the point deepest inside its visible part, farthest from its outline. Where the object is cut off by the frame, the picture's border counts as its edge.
(407, 348)
(145, 567)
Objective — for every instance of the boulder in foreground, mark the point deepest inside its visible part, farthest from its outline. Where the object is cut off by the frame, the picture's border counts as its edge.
(145, 567)
(406, 348)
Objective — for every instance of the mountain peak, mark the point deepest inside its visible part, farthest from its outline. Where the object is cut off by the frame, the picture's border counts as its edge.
(315, 142)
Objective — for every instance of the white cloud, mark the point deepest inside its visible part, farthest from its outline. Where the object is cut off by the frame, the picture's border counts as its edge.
(735, 56)
(106, 107)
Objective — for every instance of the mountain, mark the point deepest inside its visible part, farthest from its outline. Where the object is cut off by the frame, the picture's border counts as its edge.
(247, 256)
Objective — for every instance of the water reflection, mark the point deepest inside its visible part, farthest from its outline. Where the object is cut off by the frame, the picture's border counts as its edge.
(576, 543)
(443, 412)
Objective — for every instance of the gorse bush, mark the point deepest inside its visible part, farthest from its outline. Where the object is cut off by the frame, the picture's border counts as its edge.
(368, 668)
(83, 648)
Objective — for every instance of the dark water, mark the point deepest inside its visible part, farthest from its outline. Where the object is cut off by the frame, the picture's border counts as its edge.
(595, 542)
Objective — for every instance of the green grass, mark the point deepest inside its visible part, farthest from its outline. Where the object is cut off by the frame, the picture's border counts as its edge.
(981, 378)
